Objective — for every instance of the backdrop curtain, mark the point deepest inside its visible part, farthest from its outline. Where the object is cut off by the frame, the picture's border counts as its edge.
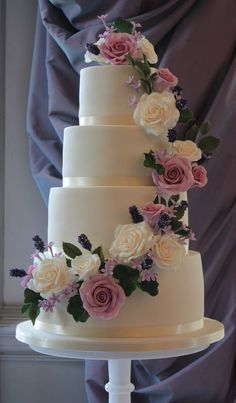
(196, 40)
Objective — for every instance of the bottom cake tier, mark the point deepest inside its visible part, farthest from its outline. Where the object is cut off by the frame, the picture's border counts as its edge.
(178, 308)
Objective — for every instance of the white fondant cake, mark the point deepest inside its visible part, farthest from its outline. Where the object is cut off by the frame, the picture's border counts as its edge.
(120, 266)
(102, 175)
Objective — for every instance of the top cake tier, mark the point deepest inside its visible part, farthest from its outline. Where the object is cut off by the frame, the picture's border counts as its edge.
(105, 95)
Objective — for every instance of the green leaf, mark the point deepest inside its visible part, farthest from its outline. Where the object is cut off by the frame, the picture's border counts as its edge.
(71, 250)
(122, 25)
(99, 251)
(175, 224)
(151, 287)
(186, 115)
(31, 297)
(143, 68)
(208, 143)
(68, 262)
(183, 232)
(173, 199)
(205, 127)
(150, 162)
(127, 276)
(179, 212)
(25, 308)
(76, 309)
(33, 312)
(191, 133)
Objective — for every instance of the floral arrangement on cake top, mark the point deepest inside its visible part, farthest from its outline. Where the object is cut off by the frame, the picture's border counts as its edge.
(94, 285)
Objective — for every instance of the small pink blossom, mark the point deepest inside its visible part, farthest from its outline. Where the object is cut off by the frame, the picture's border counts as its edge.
(148, 275)
(109, 266)
(151, 212)
(165, 79)
(177, 176)
(102, 297)
(28, 277)
(200, 175)
(133, 101)
(135, 84)
(117, 46)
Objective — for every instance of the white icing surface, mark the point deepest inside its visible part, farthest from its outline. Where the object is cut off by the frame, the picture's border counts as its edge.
(105, 95)
(106, 151)
(179, 302)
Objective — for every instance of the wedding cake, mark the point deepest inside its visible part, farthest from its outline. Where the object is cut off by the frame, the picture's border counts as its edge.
(118, 263)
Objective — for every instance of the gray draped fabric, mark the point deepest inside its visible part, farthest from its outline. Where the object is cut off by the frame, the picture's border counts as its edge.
(196, 40)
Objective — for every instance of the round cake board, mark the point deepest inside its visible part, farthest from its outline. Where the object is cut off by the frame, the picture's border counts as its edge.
(120, 351)
(109, 348)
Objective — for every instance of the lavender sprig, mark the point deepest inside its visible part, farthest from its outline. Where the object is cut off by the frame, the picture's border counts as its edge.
(39, 243)
(18, 273)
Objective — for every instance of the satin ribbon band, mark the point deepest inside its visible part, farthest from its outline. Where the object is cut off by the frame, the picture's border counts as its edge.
(87, 181)
(82, 330)
(106, 120)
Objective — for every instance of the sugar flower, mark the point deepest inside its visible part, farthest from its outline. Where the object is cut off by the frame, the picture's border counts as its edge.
(102, 297)
(156, 113)
(131, 241)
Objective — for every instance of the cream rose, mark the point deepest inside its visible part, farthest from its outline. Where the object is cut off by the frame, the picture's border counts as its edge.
(146, 48)
(86, 265)
(167, 251)
(131, 241)
(188, 149)
(50, 276)
(156, 112)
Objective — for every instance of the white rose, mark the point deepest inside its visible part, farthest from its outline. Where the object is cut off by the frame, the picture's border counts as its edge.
(86, 265)
(146, 48)
(50, 276)
(156, 112)
(131, 241)
(168, 252)
(188, 149)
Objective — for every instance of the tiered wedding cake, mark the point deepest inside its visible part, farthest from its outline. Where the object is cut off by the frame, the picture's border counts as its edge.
(121, 216)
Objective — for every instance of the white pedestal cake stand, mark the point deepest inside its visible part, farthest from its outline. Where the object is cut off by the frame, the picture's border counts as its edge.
(119, 352)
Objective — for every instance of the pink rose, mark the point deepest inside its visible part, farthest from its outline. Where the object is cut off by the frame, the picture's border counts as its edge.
(200, 175)
(118, 45)
(151, 212)
(177, 176)
(102, 297)
(165, 79)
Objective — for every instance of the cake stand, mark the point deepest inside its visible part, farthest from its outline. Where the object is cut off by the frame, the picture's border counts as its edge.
(120, 351)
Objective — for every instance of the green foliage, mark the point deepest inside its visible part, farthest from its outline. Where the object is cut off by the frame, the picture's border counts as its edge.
(144, 71)
(151, 287)
(208, 144)
(205, 127)
(186, 115)
(122, 25)
(76, 309)
(99, 251)
(191, 133)
(173, 199)
(127, 276)
(71, 250)
(30, 306)
(150, 162)
(68, 262)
